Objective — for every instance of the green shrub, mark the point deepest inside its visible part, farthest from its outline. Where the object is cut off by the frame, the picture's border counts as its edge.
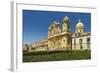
(56, 55)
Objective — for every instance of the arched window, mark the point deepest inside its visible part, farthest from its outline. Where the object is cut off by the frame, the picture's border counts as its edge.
(88, 40)
(80, 30)
(64, 41)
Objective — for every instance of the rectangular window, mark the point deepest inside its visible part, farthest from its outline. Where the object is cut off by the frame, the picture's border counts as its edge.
(88, 43)
(74, 43)
(80, 41)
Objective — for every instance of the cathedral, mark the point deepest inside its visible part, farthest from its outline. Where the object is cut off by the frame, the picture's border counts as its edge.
(62, 38)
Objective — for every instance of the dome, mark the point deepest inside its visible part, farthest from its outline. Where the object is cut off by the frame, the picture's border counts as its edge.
(66, 18)
(79, 24)
(56, 23)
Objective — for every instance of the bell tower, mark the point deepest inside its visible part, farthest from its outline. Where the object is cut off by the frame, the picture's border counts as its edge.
(66, 37)
(66, 25)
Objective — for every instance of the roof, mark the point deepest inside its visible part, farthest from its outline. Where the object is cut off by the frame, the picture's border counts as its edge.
(74, 35)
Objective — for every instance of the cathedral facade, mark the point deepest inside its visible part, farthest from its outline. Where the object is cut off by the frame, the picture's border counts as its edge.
(61, 38)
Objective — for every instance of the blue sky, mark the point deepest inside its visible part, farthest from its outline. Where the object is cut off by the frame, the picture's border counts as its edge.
(36, 23)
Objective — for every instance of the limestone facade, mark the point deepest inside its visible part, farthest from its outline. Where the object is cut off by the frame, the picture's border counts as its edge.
(59, 39)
